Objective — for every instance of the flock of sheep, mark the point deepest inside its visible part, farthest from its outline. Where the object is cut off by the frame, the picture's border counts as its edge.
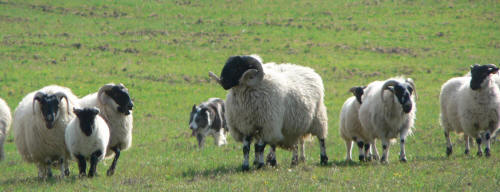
(52, 126)
(280, 105)
(283, 105)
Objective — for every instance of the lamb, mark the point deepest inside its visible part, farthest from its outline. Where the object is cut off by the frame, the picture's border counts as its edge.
(115, 105)
(5, 121)
(350, 127)
(87, 138)
(208, 119)
(388, 111)
(39, 123)
(471, 104)
(276, 104)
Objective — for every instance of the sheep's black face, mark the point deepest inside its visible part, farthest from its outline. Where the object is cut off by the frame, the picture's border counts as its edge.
(121, 97)
(50, 109)
(358, 93)
(403, 93)
(479, 73)
(87, 119)
(234, 68)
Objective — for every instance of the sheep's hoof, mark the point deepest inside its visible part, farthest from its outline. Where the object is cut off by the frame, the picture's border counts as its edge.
(272, 162)
(368, 158)
(487, 152)
(479, 153)
(255, 162)
(302, 159)
(403, 160)
(383, 159)
(467, 151)
(81, 175)
(449, 150)
(260, 165)
(324, 160)
(245, 167)
(375, 157)
(110, 172)
(66, 172)
(361, 158)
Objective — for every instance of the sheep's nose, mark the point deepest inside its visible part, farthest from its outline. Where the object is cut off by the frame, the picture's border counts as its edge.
(130, 106)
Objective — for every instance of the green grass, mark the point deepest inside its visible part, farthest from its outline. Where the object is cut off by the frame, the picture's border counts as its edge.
(162, 51)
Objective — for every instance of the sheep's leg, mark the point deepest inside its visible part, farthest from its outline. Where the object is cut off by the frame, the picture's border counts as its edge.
(302, 154)
(449, 147)
(94, 159)
(488, 141)
(259, 153)
(348, 146)
(478, 141)
(82, 165)
(2, 139)
(48, 168)
(362, 153)
(375, 151)
(247, 141)
(111, 169)
(64, 167)
(295, 155)
(385, 152)
(467, 145)
(368, 152)
(271, 157)
(402, 153)
(42, 170)
(323, 156)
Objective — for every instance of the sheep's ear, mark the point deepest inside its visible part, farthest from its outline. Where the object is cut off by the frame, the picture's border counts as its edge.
(76, 111)
(194, 108)
(95, 110)
(250, 77)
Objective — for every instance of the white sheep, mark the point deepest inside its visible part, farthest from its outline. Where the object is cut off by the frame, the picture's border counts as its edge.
(115, 105)
(5, 121)
(87, 138)
(276, 104)
(471, 104)
(350, 128)
(388, 112)
(39, 123)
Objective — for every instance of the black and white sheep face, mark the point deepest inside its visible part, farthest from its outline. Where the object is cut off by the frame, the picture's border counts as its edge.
(479, 73)
(121, 97)
(358, 92)
(235, 68)
(49, 106)
(403, 94)
(87, 119)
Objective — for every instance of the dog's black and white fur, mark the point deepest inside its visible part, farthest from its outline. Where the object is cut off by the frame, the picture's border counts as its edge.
(208, 119)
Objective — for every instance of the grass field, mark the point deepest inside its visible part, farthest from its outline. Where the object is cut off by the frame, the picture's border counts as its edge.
(162, 51)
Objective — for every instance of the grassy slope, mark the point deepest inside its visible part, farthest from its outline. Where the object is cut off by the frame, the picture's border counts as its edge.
(162, 50)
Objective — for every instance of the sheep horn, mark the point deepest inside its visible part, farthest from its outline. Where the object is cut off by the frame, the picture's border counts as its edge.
(260, 71)
(38, 97)
(214, 77)
(412, 84)
(386, 86)
(59, 96)
(102, 90)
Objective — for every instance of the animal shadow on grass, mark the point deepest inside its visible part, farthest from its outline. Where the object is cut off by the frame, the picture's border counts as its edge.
(221, 170)
(36, 180)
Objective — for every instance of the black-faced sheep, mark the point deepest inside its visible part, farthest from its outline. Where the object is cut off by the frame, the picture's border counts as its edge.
(350, 128)
(388, 112)
(208, 119)
(471, 104)
(39, 123)
(115, 105)
(276, 104)
(87, 138)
